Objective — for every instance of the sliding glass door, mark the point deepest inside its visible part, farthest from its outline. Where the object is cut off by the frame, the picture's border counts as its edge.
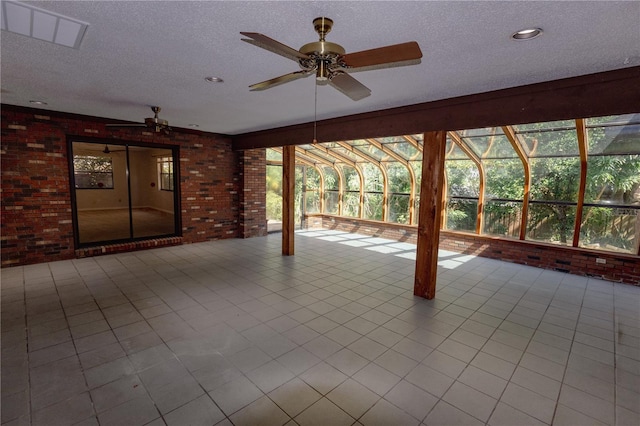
(123, 192)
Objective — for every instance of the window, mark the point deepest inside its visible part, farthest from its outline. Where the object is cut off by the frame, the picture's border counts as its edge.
(312, 190)
(463, 179)
(399, 192)
(351, 198)
(611, 217)
(373, 191)
(555, 179)
(165, 172)
(133, 207)
(570, 182)
(93, 172)
(331, 191)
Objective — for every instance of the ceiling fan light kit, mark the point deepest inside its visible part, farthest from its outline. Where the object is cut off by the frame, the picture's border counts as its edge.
(330, 62)
(154, 123)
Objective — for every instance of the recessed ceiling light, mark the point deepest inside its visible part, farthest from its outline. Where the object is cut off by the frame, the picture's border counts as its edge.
(526, 34)
(194, 125)
(214, 79)
(38, 102)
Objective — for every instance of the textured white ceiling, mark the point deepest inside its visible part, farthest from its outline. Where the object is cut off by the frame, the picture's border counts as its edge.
(141, 53)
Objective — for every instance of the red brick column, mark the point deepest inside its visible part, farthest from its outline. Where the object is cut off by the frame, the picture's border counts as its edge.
(253, 195)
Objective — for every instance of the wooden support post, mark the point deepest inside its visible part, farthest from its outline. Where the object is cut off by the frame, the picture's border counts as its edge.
(430, 213)
(581, 129)
(288, 197)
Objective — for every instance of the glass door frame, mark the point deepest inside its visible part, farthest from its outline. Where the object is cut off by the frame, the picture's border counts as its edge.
(177, 216)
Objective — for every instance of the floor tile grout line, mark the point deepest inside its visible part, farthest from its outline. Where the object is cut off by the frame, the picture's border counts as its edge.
(504, 283)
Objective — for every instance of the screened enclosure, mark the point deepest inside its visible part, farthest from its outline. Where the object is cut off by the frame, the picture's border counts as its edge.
(572, 182)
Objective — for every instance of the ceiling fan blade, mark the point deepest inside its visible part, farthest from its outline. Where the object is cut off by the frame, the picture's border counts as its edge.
(279, 80)
(381, 56)
(272, 45)
(349, 86)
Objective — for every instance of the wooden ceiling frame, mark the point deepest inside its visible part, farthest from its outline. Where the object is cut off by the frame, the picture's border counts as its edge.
(313, 165)
(378, 163)
(336, 155)
(336, 169)
(593, 95)
(524, 159)
(356, 167)
(313, 156)
(412, 175)
(413, 142)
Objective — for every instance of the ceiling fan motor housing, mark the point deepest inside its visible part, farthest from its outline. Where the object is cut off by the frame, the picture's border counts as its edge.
(324, 56)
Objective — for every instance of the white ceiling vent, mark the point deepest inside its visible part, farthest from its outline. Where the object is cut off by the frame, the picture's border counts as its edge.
(30, 21)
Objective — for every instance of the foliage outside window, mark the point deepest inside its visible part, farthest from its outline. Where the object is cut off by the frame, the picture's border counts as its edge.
(555, 179)
(611, 217)
(492, 165)
(504, 191)
(311, 184)
(165, 172)
(331, 190)
(351, 201)
(92, 172)
(299, 195)
(274, 192)
(463, 179)
(373, 195)
(399, 192)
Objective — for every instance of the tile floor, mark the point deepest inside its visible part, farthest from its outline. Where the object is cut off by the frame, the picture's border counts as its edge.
(231, 332)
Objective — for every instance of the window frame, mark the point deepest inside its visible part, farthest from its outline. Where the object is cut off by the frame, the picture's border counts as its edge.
(91, 173)
(161, 161)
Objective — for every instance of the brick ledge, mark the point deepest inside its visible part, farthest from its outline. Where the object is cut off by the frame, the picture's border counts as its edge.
(129, 246)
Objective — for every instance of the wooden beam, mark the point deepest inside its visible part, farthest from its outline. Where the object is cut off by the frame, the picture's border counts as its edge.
(288, 196)
(315, 157)
(524, 159)
(593, 95)
(581, 129)
(430, 214)
(413, 142)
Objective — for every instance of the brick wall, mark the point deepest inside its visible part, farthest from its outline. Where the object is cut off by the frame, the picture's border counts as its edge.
(606, 265)
(374, 228)
(36, 201)
(610, 266)
(253, 214)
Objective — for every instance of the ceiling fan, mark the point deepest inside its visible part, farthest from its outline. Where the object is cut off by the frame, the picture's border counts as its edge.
(331, 63)
(154, 123)
(106, 150)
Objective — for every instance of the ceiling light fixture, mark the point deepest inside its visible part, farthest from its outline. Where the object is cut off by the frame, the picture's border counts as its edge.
(38, 102)
(194, 125)
(526, 34)
(214, 79)
(31, 21)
